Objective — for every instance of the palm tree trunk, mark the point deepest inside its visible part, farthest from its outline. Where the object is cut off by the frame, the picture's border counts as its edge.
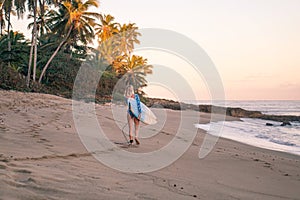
(1, 27)
(1, 22)
(54, 54)
(35, 40)
(42, 15)
(30, 59)
(8, 37)
(1, 17)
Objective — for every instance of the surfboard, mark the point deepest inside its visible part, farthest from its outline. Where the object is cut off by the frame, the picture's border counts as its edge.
(147, 116)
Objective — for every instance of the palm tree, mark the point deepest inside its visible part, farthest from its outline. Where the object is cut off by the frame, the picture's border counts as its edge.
(33, 46)
(107, 28)
(125, 40)
(78, 24)
(116, 43)
(134, 70)
(33, 6)
(7, 6)
(34, 42)
(105, 32)
(8, 9)
(128, 37)
(19, 50)
(20, 7)
(38, 24)
(42, 26)
(42, 10)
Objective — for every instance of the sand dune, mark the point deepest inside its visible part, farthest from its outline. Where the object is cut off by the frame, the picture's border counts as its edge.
(42, 157)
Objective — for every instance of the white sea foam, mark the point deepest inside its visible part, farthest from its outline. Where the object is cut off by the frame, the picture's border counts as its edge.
(255, 132)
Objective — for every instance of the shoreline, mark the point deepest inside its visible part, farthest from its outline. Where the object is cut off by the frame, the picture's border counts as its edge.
(235, 113)
(230, 112)
(263, 149)
(43, 157)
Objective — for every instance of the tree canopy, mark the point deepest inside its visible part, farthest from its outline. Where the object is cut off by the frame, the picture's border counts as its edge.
(62, 39)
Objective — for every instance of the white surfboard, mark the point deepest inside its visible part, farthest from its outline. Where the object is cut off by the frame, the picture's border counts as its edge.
(147, 116)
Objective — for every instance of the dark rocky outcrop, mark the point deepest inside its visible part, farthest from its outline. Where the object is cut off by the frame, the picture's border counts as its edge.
(269, 124)
(281, 118)
(286, 124)
(164, 103)
(233, 112)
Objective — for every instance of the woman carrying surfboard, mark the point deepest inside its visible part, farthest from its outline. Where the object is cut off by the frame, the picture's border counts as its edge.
(132, 118)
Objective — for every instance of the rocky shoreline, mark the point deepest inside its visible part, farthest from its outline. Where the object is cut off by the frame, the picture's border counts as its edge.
(230, 111)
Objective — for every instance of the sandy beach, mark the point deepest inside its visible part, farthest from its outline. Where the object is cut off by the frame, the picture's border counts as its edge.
(42, 157)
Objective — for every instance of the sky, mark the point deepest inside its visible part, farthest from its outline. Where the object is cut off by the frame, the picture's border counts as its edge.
(254, 44)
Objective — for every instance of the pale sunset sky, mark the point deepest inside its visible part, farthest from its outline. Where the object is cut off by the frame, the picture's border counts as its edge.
(254, 44)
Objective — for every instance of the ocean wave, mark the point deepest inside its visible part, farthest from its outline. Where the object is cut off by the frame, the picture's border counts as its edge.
(255, 132)
(262, 136)
(277, 141)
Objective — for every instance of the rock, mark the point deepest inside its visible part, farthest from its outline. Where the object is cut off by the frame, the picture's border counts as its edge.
(286, 124)
(281, 118)
(233, 112)
(164, 103)
(239, 112)
(269, 124)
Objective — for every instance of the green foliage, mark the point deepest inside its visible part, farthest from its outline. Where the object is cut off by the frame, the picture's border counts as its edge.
(106, 84)
(18, 56)
(61, 76)
(65, 30)
(11, 79)
(73, 14)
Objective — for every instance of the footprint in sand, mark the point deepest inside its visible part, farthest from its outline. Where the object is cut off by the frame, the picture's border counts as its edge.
(43, 140)
(3, 128)
(23, 171)
(268, 165)
(27, 180)
(2, 167)
(22, 176)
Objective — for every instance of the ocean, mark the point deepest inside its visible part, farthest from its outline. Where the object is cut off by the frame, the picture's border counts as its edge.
(255, 132)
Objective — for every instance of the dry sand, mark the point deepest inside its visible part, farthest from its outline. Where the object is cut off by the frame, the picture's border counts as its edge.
(42, 157)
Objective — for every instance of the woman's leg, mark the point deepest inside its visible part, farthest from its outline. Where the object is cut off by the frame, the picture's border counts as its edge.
(130, 125)
(136, 128)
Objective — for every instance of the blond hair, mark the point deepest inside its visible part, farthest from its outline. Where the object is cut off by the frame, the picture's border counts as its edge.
(129, 91)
